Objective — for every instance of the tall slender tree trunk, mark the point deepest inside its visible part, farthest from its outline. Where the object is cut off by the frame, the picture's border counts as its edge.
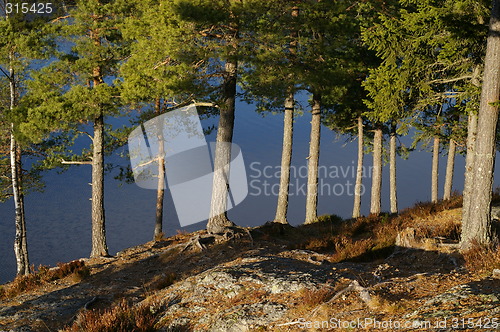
(435, 170)
(313, 161)
(286, 153)
(356, 211)
(375, 206)
(218, 221)
(392, 171)
(450, 169)
(20, 240)
(99, 246)
(478, 227)
(160, 192)
(469, 167)
(286, 159)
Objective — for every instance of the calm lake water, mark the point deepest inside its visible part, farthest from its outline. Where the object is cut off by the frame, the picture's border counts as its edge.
(58, 220)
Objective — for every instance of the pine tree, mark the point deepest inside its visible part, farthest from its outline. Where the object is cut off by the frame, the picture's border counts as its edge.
(159, 74)
(76, 91)
(23, 39)
(477, 226)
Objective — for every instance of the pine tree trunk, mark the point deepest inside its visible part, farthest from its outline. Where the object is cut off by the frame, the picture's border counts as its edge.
(356, 211)
(99, 246)
(435, 170)
(478, 227)
(375, 206)
(218, 221)
(286, 153)
(20, 240)
(160, 192)
(392, 171)
(469, 167)
(450, 169)
(313, 161)
(286, 159)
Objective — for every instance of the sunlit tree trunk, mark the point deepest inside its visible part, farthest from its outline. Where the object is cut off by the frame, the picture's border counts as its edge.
(469, 166)
(435, 170)
(375, 206)
(313, 161)
(286, 154)
(356, 212)
(392, 171)
(218, 221)
(286, 159)
(450, 169)
(478, 226)
(160, 192)
(20, 240)
(99, 246)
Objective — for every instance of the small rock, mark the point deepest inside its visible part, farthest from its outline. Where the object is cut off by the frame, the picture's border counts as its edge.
(496, 273)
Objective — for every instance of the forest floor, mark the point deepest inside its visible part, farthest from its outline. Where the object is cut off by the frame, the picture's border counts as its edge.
(386, 273)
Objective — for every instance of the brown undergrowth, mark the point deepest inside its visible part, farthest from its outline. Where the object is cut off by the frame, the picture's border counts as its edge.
(37, 278)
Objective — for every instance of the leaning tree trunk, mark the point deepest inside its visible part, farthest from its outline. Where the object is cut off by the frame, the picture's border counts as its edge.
(313, 161)
(478, 227)
(286, 159)
(356, 211)
(450, 169)
(435, 170)
(469, 166)
(375, 206)
(392, 171)
(218, 221)
(160, 192)
(20, 241)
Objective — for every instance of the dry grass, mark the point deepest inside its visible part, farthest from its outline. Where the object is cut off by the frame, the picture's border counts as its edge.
(311, 298)
(122, 317)
(162, 281)
(387, 306)
(76, 269)
(482, 260)
(373, 237)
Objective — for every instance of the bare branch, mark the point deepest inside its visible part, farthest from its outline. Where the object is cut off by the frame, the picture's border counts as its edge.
(450, 80)
(64, 162)
(60, 18)
(6, 74)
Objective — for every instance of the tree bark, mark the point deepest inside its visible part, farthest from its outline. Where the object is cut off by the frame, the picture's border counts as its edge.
(356, 211)
(469, 167)
(375, 206)
(286, 153)
(313, 161)
(435, 170)
(20, 240)
(99, 246)
(478, 227)
(392, 171)
(286, 159)
(218, 221)
(450, 169)
(160, 192)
